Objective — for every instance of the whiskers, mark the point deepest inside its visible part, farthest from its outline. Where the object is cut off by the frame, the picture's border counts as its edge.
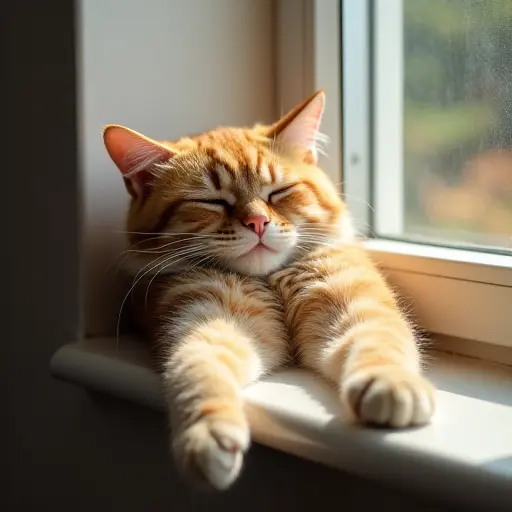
(160, 249)
(197, 251)
(190, 254)
(344, 195)
(158, 264)
(311, 234)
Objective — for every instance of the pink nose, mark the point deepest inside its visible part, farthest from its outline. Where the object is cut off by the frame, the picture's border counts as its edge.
(257, 223)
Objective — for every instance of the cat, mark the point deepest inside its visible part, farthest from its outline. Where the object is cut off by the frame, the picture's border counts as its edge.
(257, 265)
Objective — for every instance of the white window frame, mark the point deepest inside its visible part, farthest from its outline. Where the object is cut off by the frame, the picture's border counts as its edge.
(388, 187)
(457, 294)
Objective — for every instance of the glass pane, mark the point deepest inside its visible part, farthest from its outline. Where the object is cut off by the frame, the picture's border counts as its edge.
(458, 120)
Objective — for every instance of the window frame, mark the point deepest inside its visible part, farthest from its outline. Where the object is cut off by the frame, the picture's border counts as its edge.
(457, 294)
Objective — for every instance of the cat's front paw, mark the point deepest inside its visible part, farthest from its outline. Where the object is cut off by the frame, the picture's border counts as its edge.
(389, 396)
(210, 452)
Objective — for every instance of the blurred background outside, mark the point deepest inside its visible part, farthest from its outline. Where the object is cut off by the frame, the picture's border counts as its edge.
(458, 121)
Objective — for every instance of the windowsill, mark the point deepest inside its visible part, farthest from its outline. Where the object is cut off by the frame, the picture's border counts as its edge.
(465, 456)
(467, 265)
(457, 293)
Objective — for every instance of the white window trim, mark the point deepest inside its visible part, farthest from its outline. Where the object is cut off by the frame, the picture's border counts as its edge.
(388, 101)
(356, 82)
(456, 293)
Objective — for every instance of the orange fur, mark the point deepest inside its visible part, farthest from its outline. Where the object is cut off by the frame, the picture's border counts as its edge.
(230, 303)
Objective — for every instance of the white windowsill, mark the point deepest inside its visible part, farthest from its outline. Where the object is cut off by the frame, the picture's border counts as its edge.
(465, 456)
(456, 293)
(476, 266)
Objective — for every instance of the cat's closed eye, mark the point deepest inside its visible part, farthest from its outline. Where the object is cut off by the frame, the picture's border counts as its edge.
(220, 202)
(275, 196)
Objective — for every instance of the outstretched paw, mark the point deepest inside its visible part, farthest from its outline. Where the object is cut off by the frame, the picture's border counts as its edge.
(211, 452)
(389, 396)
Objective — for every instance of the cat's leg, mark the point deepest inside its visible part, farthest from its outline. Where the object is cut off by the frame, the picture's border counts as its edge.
(203, 380)
(348, 326)
(222, 334)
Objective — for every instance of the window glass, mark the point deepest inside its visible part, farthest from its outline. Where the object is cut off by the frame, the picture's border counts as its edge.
(457, 121)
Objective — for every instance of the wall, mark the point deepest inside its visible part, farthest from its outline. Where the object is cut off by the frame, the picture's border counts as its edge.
(67, 451)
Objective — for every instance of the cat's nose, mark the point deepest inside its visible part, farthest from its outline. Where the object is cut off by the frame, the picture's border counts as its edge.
(257, 223)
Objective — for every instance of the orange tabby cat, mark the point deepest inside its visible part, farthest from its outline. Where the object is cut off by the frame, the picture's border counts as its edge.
(259, 262)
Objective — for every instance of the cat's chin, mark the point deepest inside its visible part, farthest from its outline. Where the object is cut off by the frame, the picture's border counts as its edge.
(258, 262)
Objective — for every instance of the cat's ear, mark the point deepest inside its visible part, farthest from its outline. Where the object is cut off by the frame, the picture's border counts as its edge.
(135, 155)
(300, 127)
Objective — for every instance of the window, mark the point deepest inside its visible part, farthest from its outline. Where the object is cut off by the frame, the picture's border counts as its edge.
(442, 120)
(420, 120)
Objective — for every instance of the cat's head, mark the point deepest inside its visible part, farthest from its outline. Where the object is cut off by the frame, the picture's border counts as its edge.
(246, 199)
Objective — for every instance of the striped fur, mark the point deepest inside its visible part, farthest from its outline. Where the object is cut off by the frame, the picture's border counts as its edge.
(223, 306)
